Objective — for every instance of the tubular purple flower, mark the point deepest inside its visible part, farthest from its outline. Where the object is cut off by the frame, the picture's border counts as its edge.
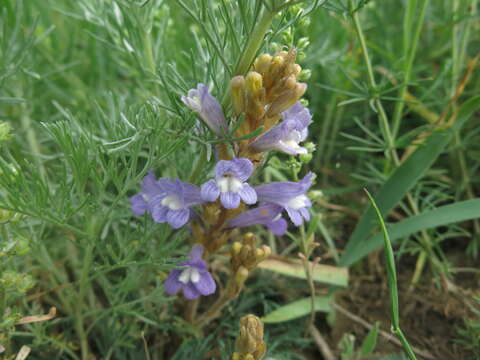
(269, 215)
(287, 135)
(194, 279)
(290, 196)
(230, 184)
(150, 189)
(166, 200)
(202, 102)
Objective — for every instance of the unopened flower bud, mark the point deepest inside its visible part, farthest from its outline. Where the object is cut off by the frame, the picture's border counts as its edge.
(290, 82)
(241, 275)
(283, 53)
(277, 63)
(305, 75)
(301, 56)
(267, 251)
(254, 82)
(305, 158)
(236, 247)
(236, 356)
(250, 340)
(237, 86)
(303, 42)
(262, 64)
(310, 146)
(295, 69)
(287, 99)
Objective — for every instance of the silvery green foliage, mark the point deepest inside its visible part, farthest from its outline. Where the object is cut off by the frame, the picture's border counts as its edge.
(92, 92)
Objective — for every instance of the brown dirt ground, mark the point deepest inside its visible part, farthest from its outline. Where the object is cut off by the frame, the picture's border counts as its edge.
(429, 315)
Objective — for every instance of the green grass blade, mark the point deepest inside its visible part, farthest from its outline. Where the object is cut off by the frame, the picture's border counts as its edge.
(392, 282)
(445, 215)
(404, 178)
(324, 274)
(297, 309)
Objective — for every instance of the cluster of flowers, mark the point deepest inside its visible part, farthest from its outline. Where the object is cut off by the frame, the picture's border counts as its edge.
(172, 201)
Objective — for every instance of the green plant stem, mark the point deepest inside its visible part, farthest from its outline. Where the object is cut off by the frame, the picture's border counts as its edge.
(33, 143)
(406, 346)
(150, 59)
(87, 261)
(384, 125)
(306, 251)
(255, 41)
(409, 52)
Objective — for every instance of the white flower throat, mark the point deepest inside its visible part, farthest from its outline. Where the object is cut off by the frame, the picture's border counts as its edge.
(172, 202)
(190, 274)
(298, 202)
(229, 184)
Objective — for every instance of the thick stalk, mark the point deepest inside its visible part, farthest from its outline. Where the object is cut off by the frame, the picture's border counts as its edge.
(255, 41)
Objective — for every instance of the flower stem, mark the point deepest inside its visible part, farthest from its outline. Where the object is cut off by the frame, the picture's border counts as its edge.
(384, 125)
(255, 41)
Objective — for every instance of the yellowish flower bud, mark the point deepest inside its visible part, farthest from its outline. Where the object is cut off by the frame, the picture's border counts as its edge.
(295, 69)
(236, 356)
(236, 247)
(262, 64)
(290, 82)
(237, 88)
(259, 253)
(250, 342)
(241, 275)
(287, 99)
(254, 82)
(267, 251)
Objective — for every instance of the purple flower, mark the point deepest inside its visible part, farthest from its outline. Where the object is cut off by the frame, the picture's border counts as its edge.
(166, 200)
(230, 183)
(269, 215)
(194, 279)
(287, 135)
(290, 196)
(150, 189)
(209, 109)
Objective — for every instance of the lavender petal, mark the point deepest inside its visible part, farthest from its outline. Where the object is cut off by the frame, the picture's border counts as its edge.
(248, 194)
(206, 285)
(177, 218)
(230, 200)
(263, 215)
(210, 191)
(295, 216)
(278, 227)
(138, 205)
(159, 214)
(190, 291)
(172, 285)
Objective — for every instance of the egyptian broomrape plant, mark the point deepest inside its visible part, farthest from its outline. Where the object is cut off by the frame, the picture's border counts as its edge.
(267, 98)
